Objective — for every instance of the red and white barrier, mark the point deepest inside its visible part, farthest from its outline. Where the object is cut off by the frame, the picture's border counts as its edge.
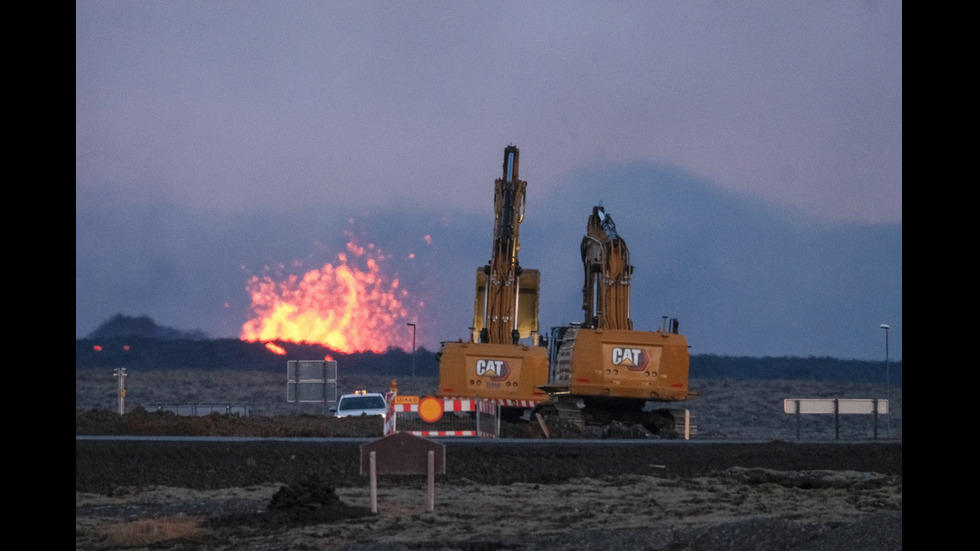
(448, 404)
(390, 415)
(437, 433)
(454, 404)
(486, 419)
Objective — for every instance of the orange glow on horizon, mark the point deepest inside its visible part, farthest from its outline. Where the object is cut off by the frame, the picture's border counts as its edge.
(344, 307)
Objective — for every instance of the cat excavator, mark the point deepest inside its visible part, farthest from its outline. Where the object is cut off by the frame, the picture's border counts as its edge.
(590, 373)
(503, 359)
(602, 369)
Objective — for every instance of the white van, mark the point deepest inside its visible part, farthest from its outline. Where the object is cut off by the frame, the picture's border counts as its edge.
(360, 403)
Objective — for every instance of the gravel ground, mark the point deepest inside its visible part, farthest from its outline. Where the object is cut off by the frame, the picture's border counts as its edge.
(285, 493)
(522, 496)
(104, 466)
(724, 409)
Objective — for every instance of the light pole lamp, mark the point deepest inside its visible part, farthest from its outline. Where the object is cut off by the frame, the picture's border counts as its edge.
(413, 347)
(888, 420)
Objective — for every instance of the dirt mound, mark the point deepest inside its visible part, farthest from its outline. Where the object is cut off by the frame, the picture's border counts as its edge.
(310, 501)
(141, 422)
(313, 498)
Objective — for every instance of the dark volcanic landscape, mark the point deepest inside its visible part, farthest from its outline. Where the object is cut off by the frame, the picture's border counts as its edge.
(836, 487)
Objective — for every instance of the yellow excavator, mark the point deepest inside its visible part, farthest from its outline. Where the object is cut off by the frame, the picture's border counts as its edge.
(503, 359)
(602, 370)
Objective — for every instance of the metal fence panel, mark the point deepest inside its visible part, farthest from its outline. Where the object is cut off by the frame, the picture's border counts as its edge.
(311, 381)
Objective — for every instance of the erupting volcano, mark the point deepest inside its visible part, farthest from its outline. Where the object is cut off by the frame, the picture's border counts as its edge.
(344, 307)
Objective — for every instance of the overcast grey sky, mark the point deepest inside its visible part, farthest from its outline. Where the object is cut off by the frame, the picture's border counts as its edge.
(245, 104)
(233, 107)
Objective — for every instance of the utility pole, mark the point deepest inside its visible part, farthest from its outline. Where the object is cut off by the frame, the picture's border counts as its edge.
(413, 347)
(120, 373)
(888, 419)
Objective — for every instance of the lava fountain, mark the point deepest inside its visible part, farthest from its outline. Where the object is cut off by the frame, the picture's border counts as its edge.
(348, 307)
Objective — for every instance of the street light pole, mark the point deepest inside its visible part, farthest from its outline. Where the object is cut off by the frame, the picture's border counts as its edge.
(120, 373)
(888, 419)
(413, 347)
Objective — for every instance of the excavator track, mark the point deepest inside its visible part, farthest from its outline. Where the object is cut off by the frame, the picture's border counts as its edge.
(563, 418)
(684, 425)
(682, 417)
(559, 419)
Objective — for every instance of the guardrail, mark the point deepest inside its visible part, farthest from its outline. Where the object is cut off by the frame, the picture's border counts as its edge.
(838, 407)
(200, 409)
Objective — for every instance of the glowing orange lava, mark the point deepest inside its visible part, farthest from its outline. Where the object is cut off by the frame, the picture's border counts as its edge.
(344, 307)
(275, 348)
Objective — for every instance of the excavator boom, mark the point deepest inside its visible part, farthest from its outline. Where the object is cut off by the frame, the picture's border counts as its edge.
(507, 295)
(502, 359)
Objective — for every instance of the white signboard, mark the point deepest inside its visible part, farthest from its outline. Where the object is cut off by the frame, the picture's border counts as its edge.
(841, 406)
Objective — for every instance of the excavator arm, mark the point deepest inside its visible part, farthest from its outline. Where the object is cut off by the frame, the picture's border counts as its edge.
(506, 295)
(606, 260)
(495, 364)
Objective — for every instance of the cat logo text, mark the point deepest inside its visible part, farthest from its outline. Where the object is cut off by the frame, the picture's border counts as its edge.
(634, 359)
(497, 370)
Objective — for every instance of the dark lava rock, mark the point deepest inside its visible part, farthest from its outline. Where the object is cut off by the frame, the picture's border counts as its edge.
(310, 495)
(311, 501)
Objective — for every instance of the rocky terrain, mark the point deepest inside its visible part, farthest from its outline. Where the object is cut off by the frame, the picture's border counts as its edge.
(291, 491)
(723, 409)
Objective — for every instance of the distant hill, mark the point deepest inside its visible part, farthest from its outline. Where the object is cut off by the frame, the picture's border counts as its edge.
(709, 366)
(138, 343)
(140, 353)
(743, 277)
(141, 326)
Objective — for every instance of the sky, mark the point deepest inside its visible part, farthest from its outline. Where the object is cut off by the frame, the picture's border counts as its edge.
(214, 139)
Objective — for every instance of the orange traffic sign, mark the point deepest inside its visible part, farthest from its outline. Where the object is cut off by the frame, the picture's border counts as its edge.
(430, 409)
(406, 399)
